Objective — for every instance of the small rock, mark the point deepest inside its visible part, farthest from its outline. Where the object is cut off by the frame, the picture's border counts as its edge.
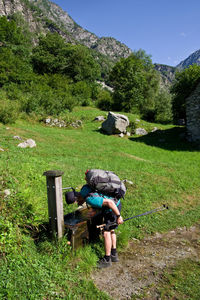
(99, 118)
(48, 121)
(127, 181)
(121, 135)
(154, 129)
(172, 232)
(141, 131)
(28, 143)
(128, 133)
(79, 122)
(16, 137)
(7, 192)
(1, 149)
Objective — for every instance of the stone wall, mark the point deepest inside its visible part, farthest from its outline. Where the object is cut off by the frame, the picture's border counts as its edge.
(193, 115)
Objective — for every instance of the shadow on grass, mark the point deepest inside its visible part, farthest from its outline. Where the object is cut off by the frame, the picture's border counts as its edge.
(40, 233)
(170, 139)
(100, 130)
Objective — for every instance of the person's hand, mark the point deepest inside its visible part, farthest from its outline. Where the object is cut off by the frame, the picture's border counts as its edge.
(120, 220)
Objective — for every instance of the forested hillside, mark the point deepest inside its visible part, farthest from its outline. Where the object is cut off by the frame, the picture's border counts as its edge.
(44, 16)
(52, 76)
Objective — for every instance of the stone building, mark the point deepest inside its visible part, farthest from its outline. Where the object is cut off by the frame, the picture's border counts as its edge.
(193, 115)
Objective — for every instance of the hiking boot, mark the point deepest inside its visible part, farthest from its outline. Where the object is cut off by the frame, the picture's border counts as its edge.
(114, 258)
(103, 263)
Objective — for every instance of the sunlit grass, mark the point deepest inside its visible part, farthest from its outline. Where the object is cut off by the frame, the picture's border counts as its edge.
(163, 167)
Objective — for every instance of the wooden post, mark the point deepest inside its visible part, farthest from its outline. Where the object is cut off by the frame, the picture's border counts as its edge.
(55, 202)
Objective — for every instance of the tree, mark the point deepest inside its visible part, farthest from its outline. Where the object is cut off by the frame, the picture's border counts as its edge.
(13, 68)
(53, 55)
(10, 34)
(135, 83)
(185, 82)
(163, 107)
(14, 54)
(48, 56)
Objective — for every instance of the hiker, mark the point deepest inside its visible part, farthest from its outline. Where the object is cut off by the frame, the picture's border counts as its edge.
(111, 212)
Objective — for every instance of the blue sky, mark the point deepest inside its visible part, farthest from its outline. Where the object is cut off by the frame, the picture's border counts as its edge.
(168, 30)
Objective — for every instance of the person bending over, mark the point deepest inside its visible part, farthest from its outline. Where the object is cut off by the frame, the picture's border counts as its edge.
(111, 209)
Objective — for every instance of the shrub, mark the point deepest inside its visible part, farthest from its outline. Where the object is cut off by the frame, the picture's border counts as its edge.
(104, 100)
(82, 92)
(132, 126)
(8, 110)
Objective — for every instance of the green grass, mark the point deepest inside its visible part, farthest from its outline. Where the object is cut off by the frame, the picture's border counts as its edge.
(182, 282)
(162, 166)
(179, 282)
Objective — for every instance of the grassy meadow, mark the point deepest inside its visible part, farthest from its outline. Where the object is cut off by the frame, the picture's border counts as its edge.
(163, 167)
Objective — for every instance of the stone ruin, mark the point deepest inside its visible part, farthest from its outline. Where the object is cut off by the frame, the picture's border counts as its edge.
(193, 115)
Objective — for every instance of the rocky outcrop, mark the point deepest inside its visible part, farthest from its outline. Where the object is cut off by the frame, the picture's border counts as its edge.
(167, 74)
(8, 7)
(194, 58)
(54, 122)
(193, 115)
(43, 16)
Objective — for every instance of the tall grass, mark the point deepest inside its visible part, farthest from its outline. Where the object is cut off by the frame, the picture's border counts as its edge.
(163, 167)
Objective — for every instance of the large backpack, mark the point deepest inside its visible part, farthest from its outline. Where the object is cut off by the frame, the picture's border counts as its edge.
(105, 182)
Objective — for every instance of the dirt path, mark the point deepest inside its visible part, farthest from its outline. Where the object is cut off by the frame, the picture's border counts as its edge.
(144, 262)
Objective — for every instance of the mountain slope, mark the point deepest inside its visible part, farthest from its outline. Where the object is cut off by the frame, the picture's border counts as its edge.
(44, 15)
(167, 74)
(194, 58)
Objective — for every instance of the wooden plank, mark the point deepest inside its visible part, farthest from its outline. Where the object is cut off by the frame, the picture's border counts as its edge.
(55, 202)
(59, 206)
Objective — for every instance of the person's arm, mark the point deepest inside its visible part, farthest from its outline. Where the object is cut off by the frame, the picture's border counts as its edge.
(80, 200)
(109, 203)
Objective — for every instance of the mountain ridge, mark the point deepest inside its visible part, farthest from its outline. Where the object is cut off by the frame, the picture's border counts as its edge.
(193, 58)
(43, 16)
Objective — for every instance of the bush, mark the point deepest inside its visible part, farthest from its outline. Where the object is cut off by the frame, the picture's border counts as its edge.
(104, 100)
(132, 126)
(82, 92)
(8, 110)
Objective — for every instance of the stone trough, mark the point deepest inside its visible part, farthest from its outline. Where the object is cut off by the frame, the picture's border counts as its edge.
(80, 226)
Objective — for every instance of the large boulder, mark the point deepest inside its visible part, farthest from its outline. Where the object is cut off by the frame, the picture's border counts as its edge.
(115, 124)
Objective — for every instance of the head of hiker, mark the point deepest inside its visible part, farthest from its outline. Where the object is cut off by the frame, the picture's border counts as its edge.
(73, 197)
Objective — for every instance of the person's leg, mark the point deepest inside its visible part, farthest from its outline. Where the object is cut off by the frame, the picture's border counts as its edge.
(114, 256)
(107, 242)
(106, 260)
(114, 239)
